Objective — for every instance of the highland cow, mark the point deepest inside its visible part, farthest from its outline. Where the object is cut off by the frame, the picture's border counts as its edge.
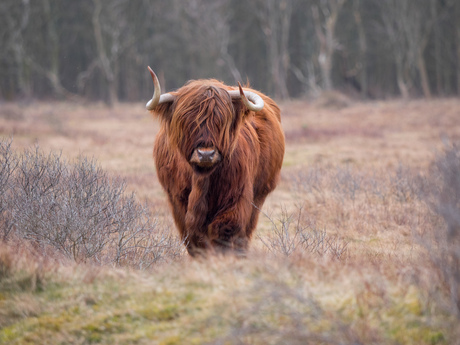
(218, 154)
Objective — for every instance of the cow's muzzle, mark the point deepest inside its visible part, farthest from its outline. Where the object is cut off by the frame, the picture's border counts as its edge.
(205, 157)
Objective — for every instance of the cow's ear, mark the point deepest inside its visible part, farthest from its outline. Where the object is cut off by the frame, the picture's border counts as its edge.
(164, 111)
(241, 111)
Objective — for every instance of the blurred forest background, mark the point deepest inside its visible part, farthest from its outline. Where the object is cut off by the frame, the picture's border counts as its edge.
(100, 49)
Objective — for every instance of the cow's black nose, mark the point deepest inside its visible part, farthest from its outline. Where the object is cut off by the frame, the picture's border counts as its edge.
(206, 155)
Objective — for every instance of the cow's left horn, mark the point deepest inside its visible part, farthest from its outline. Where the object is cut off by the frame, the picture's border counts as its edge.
(156, 98)
(252, 100)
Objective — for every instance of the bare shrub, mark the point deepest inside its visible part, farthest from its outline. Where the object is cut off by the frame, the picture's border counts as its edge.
(6, 263)
(444, 245)
(311, 181)
(283, 239)
(332, 99)
(78, 210)
(406, 185)
(378, 188)
(8, 163)
(292, 234)
(141, 241)
(347, 183)
(11, 113)
(318, 241)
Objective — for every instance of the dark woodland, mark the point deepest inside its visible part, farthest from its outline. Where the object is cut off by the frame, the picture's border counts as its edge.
(100, 49)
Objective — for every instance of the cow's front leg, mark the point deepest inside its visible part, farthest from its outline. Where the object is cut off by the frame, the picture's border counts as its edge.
(196, 245)
(195, 218)
(227, 231)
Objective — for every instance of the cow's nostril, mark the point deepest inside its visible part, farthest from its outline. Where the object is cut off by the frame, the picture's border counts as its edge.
(206, 154)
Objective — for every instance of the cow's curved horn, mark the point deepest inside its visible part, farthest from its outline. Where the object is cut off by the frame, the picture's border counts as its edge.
(157, 98)
(250, 99)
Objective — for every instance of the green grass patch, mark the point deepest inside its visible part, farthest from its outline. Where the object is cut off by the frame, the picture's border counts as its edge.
(256, 301)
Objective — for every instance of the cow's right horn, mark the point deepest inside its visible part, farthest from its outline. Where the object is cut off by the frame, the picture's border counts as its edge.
(252, 100)
(156, 98)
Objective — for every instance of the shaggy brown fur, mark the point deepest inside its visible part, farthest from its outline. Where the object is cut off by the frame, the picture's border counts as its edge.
(217, 207)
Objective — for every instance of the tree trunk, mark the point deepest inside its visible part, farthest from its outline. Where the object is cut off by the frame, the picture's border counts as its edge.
(275, 24)
(18, 49)
(103, 59)
(362, 48)
(424, 76)
(422, 68)
(400, 79)
(437, 47)
(326, 37)
(286, 12)
(276, 45)
(52, 72)
(458, 47)
(323, 56)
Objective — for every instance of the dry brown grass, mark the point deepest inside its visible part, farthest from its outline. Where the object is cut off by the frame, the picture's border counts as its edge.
(349, 168)
(358, 174)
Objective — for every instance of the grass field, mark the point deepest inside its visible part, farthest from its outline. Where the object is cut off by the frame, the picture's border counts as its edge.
(347, 249)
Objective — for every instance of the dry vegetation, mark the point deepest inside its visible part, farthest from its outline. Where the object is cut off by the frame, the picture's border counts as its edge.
(358, 245)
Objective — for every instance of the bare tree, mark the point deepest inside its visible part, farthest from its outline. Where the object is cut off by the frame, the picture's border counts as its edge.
(407, 28)
(362, 46)
(437, 46)
(457, 40)
(99, 48)
(274, 18)
(15, 33)
(8, 164)
(112, 36)
(51, 70)
(207, 25)
(104, 62)
(325, 14)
